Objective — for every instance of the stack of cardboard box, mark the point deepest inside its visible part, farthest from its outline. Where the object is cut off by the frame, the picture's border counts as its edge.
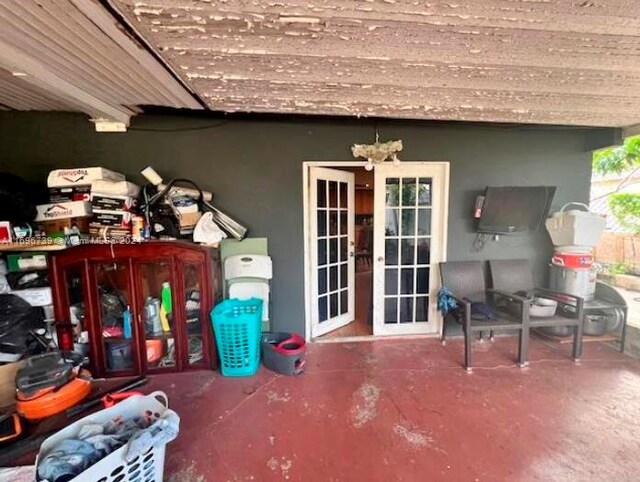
(90, 200)
(70, 196)
(111, 204)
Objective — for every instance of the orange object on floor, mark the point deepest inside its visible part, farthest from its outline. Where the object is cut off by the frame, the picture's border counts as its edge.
(155, 351)
(51, 401)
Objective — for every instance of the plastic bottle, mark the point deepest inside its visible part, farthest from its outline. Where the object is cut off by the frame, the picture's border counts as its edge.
(153, 325)
(126, 323)
(166, 308)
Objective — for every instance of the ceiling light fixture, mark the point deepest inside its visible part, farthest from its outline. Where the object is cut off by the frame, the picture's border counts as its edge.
(378, 152)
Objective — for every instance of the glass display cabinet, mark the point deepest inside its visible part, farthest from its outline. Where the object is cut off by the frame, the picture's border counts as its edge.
(137, 308)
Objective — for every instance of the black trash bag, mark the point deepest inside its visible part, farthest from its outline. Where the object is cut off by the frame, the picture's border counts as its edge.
(22, 280)
(18, 320)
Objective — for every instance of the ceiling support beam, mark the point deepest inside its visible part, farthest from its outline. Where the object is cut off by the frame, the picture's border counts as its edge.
(631, 131)
(597, 139)
(159, 70)
(33, 72)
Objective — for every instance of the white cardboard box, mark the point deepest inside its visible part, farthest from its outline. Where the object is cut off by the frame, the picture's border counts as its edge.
(115, 219)
(35, 296)
(82, 175)
(111, 202)
(73, 209)
(117, 188)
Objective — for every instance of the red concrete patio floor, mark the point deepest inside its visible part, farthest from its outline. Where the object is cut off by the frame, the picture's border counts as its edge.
(406, 411)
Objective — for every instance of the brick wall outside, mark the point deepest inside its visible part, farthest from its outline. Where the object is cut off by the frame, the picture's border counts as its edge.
(620, 248)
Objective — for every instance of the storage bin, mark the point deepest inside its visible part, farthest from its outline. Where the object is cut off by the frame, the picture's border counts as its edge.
(26, 262)
(237, 329)
(283, 352)
(114, 467)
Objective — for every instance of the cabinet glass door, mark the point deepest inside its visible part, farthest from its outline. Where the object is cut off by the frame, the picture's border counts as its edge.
(157, 312)
(195, 314)
(116, 326)
(74, 287)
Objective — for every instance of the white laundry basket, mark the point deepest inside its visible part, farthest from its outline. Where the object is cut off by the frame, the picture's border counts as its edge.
(148, 467)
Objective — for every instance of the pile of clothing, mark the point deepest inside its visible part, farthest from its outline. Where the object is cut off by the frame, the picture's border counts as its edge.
(95, 441)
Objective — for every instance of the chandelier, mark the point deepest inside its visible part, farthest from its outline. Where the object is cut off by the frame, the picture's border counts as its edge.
(378, 152)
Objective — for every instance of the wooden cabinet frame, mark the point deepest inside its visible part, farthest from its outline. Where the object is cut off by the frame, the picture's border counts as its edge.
(85, 260)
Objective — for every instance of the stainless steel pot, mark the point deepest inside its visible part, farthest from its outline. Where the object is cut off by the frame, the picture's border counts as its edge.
(575, 281)
(595, 324)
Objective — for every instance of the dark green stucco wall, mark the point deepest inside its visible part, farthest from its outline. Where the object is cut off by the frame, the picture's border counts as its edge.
(255, 169)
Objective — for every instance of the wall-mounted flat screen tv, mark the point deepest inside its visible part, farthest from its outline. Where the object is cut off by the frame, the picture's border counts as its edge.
(515, 209)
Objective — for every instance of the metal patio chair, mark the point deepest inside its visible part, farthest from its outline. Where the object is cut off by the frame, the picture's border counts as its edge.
(515, 276)
(465, 280)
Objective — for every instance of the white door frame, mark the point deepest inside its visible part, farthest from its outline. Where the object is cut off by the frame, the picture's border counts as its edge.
(438, 246)
(306, 169)
(306, 165)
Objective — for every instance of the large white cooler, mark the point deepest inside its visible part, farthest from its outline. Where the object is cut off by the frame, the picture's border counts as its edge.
(575, 228)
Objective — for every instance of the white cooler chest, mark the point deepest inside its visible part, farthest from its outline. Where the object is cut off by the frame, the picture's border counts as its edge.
(575, 228)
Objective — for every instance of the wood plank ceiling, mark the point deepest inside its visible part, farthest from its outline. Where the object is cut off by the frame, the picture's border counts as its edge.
(72, 55)
(569, 62)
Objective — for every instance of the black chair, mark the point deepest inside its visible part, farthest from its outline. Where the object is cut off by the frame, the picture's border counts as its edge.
(514, 275)
(465, 280)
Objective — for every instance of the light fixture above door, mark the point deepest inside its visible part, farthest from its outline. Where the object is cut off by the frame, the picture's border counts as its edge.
(378, 152)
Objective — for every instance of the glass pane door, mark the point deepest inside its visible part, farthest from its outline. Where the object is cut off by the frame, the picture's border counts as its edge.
(407, 236)
(74, 283)
(332, 249)
(117, 327)
(196, 316)
(157, 312)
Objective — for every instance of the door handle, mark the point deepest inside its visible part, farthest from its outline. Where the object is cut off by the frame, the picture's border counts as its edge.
(352, 254)
(380, 259)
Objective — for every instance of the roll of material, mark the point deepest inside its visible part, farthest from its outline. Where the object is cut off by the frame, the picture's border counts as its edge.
(154, 178)
(151, 175)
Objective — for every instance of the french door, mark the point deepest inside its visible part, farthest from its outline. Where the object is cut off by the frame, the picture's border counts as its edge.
(410, 209)
(332, 249)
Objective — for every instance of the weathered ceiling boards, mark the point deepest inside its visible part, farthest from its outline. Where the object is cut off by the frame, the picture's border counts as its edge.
(72, 55)
(572, 62)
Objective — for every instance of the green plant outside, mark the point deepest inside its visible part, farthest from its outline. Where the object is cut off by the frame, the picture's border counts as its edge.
(616, 159)
(625, 207)
(618, 268)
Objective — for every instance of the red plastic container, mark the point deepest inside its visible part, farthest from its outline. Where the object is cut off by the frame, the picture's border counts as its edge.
(573, 260)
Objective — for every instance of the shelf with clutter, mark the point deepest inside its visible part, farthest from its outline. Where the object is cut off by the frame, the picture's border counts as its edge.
(137, 308)
(124, 274)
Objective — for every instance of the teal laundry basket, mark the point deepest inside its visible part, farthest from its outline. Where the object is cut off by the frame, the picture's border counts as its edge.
(237, 328)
